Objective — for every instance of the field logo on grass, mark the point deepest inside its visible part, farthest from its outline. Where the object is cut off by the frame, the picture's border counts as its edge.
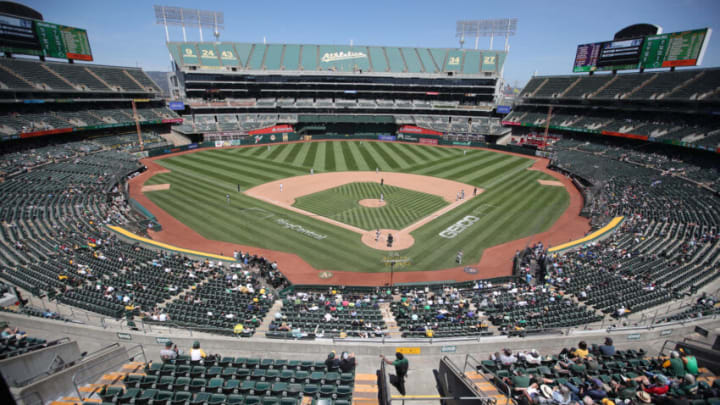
(395, 260)
(299, 229)
(325, 275)
(458, 227)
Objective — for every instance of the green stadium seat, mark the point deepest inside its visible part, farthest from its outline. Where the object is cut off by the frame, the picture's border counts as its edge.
(128, 396)
(148, 381)
(165, 382)
(261, 387)
(146, 396)
(270, 400)
(131, 380)
(181, 383)
(242, 373)
(216, 399)
(108, 393)
(230, 386)
(246, 386)
(286, 375)
(214, 384)
(197, 384)
(288, 401)
(235, 399)
(181, 397)
(327, 390)
(279, 387)
(213, 371)
(200, 398)
(252, 400)
(228, 372)
(162, 396)
(311, 389)
(344, 391)
(272, 374)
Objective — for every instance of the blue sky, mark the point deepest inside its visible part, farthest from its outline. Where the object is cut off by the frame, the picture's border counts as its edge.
(124, 32)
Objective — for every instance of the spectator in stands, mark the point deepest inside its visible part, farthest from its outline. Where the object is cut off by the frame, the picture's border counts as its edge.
(196, 353)
(347, 362)
(170, 352)
(690, 361)
(401, 368)
(332, 363)
(531, 357)
(607, 348)
(674, 365)
(9, 332)
(658, 386)
(624, 389)
(507, 358)
(687, 387)
(582, 350)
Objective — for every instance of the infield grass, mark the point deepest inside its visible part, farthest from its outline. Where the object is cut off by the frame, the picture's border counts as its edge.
(403, 207)
(514, 205)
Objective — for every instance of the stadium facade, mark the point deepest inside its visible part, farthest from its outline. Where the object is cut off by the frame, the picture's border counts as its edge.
(232, 90)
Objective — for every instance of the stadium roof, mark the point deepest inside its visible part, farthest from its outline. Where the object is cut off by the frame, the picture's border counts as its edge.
(258, 57)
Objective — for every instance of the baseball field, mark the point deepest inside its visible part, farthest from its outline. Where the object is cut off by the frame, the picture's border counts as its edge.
(265, 196)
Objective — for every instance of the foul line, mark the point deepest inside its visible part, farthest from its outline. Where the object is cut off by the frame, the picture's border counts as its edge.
(132, 236)
(600, 232)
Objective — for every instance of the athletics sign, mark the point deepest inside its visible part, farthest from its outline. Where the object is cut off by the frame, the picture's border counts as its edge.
(336, 56)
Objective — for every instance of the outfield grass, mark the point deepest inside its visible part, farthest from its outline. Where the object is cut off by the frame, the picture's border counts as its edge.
(403, 207)
(514, 204)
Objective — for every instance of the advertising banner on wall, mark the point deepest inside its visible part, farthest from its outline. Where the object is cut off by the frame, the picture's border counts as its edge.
(412, 129)
(428, 141)
(276, 129)
(387, 137)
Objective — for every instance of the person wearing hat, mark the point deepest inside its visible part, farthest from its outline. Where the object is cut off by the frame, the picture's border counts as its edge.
(688, 387)
(196, 353)
(331, 363)
(347, 362)
(401, 368)
(644, 397)
(170, 352)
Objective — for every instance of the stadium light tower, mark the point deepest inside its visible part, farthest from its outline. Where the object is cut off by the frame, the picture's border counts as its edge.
(189, 17)
(486, 28)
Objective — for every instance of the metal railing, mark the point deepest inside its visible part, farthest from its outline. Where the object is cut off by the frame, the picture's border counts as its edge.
(94, 372)
(500, 385)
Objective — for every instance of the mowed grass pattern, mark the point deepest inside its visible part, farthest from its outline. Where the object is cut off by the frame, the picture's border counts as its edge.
(514, 205)
(402, 207)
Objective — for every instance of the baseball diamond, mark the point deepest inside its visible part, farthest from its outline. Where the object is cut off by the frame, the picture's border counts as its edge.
(513, 204)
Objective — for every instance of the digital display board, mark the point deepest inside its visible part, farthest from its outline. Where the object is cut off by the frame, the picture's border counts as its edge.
(40, 38)
(586, 57)
(675, 49)
(655, 51)
(617, 55)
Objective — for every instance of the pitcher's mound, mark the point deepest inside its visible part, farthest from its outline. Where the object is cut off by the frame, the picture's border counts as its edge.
(372, 203)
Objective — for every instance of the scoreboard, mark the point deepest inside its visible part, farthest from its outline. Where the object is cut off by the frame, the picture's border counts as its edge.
(655, 51)
(60, 41)
(676, 49)
(40, 38)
